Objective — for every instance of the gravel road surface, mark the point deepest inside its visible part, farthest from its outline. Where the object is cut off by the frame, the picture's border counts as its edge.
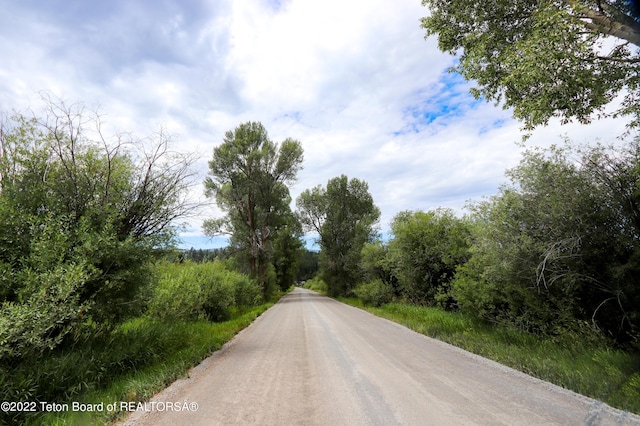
(310, 360)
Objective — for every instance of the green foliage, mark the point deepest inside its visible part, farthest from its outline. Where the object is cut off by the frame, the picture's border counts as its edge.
(200, 255)
(248, 177)
(35, 366)
(308, 265)
(560, 246)
(544, 59)
(79, 220)
(191, 291)
(246, 292)
(45, 312)
(376, 263)
(425, 251)
(270, 287)
(316, 284)
(42, 293)
(375, 293)
(287, 254)
(345, 217)
(121, 283)
(218, 295)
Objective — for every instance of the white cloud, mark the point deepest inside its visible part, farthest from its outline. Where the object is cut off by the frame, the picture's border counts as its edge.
(355, 81)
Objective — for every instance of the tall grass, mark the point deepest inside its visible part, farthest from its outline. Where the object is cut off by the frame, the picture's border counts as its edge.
(581, 362)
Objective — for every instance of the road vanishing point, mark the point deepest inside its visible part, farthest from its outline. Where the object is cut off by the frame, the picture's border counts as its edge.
(311, 360)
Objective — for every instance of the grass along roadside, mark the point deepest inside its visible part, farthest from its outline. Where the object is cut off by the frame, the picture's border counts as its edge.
(170, 349)
(583, 365)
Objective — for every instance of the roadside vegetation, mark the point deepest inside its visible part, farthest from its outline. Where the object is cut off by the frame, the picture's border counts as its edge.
(542, 277)
(194, 308)
(249, 177)
(555, 249)
(96, 303)
(135, 361)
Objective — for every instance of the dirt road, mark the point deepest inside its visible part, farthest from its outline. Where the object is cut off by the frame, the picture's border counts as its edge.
(310, 360)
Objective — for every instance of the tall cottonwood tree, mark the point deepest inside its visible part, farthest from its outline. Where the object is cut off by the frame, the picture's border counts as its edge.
(344, 216)
(544, 59)
(248, 177)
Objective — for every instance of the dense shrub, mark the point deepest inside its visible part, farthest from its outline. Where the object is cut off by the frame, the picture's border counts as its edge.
(560, 246)
(201, 291)
(316, 284)
(39, 322)
(35, 366)
(246, 291)
(374, 293)
(177, 294)
(80, 220)
(217, 291)
(426, 250)
(377, 263)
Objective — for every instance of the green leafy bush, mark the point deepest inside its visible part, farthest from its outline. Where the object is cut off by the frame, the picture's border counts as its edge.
(246, 291)
(425, 251)
(177, 294)
(374, 293)
(68, 197)
(201, 291)
(316, 284)
(41, 320)
(218, 292)
(559, 246)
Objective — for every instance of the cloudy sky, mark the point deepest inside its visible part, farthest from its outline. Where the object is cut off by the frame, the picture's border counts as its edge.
(354, 81)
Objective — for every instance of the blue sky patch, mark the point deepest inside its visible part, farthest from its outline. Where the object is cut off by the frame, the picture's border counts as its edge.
(202, 242)
(442, 102)
(496, 124)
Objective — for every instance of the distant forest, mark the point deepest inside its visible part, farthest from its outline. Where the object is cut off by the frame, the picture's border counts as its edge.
(307, 269)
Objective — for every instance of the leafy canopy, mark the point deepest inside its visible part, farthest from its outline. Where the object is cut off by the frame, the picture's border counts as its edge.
(426, 249)
(544, 59)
